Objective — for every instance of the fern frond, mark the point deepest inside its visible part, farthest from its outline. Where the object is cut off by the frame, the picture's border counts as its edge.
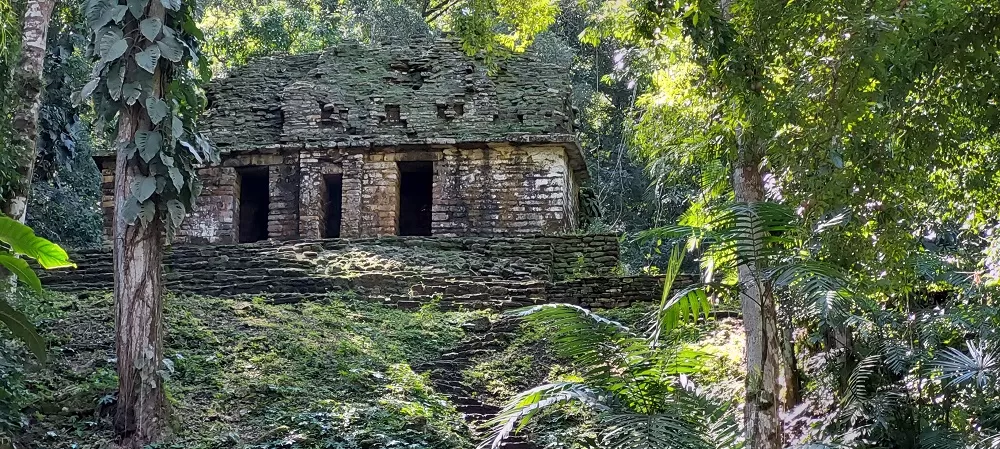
(602, 349)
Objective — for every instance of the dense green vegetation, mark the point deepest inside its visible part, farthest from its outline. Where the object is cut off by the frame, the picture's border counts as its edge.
(331, 373)
(829, 167)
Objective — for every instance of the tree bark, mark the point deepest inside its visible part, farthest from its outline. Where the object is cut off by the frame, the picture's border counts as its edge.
(762, 423)
(29, 82)
(140, 415)
(790, 370)
(138, 256)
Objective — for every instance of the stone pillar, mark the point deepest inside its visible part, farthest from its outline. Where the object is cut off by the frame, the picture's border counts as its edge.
(379, 197)
(283, 214)
(350, 224)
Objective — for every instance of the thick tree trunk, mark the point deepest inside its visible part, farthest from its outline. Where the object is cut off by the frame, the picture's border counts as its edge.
(763, 425)
(140, 416)
(138, 256)
(29, 83)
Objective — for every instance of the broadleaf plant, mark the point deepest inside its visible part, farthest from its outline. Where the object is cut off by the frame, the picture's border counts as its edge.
(127, 54)
(20, 242)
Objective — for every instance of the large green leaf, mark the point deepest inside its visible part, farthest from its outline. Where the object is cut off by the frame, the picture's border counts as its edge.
(116, 77)
(171, 48)
(22, 240)
(150, 28)
(137, 7)
(21, 327)
(118, 13)
(116, 50)
(144, 188)
(21, 269)
(109, 35)
(149, 143)
(148, 58)
(157, 109)
(176, 210)
(89, 88)
(173, 5)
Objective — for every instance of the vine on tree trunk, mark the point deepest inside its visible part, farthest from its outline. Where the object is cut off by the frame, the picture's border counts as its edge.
(130, 47)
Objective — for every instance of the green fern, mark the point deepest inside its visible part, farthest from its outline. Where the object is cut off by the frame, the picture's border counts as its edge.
(636, 386)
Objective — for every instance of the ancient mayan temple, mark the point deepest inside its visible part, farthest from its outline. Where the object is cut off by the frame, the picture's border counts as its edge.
(358, 141)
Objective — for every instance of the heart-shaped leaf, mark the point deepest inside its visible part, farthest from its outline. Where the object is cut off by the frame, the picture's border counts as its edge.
(147, 58)
(171, 49)
(150, 28)
(137, 7)
(157, 109)
(116, 50)
(149, 143)
(116, 77)
(145, 187)
(176, 210)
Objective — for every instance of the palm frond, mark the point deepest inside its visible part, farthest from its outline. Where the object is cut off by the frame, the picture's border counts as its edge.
(941, 438)
(823, 286)
(689, 303)
(652, 431)
(519, 411)
(980, 364)
(598, 346)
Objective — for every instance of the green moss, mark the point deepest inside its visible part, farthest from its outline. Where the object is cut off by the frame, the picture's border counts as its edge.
(336, 373)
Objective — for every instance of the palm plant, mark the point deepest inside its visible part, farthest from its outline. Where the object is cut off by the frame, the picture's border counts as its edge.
(636, 386)
(20, 242)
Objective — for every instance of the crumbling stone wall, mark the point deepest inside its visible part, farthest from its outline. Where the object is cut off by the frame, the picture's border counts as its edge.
(505, 157)
(426, 92)
(470, 272)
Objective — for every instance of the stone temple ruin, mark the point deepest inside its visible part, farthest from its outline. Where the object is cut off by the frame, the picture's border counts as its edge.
(405, 174)
(402, 175)
(399, 140)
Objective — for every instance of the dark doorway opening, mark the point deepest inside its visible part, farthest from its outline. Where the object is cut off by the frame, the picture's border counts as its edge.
(416, 185)
(254, 204)
(332, 205)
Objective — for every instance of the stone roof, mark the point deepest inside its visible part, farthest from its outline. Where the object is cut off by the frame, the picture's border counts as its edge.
(428, 92)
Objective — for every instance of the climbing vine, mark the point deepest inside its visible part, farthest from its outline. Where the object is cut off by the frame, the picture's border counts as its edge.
(150, 63)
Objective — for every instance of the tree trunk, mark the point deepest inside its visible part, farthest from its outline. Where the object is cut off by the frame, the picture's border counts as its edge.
(138, 255)
(140, 416)
(762, 423)
(29, 81)
(790, 369)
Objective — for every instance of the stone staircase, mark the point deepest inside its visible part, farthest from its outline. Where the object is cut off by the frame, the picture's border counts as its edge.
(482, 338)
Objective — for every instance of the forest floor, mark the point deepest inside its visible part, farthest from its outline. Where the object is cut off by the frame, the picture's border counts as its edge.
(339, 372)
(249, 374)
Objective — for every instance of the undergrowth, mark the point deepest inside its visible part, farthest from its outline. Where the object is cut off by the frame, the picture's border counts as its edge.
(329, 374)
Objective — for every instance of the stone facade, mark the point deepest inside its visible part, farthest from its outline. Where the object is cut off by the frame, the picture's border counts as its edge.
(359, 142)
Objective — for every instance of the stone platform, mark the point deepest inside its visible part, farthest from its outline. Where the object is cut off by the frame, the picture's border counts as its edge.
(454, 272)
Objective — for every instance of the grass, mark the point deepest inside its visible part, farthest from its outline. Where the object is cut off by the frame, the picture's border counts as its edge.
(329, 374)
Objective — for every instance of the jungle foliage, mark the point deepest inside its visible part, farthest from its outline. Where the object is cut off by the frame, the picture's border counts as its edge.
(873, 124)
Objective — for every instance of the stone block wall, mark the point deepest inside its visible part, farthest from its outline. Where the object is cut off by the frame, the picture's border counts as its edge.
(214, 218)
(489, 191)
(283, 213)
(503, 190)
